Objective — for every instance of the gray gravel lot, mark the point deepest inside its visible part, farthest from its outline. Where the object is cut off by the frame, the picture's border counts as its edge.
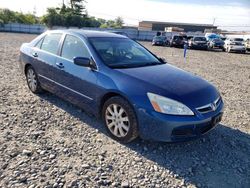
(47, 142)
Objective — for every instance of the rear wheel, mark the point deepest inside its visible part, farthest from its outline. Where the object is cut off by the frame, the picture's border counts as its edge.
(120, 119)
(32, 80)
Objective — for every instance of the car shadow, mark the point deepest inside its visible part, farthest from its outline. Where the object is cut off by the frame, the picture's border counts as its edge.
(219, 159)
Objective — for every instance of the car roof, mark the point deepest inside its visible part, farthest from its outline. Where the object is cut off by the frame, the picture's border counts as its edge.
(89, 33)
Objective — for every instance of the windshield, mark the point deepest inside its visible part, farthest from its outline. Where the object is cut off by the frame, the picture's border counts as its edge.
(122, 52)
(199, 39)
(159, 38)
(238, 39)
(178, 37)
(217, 39)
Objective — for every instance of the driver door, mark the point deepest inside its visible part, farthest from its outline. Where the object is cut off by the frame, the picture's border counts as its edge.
(77, 83)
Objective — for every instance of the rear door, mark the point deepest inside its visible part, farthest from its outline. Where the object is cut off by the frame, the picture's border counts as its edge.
(45, 54)
(78, 83)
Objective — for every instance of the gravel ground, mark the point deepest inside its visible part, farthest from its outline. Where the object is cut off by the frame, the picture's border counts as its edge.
(47, 142)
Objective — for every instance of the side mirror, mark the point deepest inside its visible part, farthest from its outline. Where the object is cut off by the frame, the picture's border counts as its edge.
(162, 60)
(82, 61)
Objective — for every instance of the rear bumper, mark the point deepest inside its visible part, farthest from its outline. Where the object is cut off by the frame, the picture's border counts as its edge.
(161, 127)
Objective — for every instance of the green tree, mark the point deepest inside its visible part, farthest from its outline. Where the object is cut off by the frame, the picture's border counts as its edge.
(78, 7)
(52, 18)
(8, 16)
(119, 22)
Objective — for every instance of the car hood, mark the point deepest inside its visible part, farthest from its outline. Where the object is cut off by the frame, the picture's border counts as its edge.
(172, 82)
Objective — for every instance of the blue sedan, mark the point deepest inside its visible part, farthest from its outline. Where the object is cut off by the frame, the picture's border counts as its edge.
(115, 78)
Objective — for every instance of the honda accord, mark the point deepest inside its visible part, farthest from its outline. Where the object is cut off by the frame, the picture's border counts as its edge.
(115, 78)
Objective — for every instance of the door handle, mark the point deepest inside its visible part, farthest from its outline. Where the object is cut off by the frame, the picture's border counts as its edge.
(35, 54)
(60, 65)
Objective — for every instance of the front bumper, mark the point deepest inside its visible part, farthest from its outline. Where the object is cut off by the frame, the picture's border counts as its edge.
(237, 48)
(160, 43)
(168, 128)
(199, 46)
(217, 45)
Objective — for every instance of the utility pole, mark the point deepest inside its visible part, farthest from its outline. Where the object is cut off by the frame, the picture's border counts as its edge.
(214, 21)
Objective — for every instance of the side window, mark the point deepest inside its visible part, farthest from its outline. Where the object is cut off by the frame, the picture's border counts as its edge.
(73, 47)
(38, 45)
(51, 43)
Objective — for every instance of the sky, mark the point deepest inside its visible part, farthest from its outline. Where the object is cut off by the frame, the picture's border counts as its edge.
(227, 14)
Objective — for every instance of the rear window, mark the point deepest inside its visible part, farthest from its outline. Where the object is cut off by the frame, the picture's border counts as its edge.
(51, 43)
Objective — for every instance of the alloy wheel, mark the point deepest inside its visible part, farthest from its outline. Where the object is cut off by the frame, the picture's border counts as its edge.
(117, 120)
(32, 80)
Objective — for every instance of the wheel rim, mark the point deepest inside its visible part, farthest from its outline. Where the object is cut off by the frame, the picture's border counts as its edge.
(31, 78)
(117, 120)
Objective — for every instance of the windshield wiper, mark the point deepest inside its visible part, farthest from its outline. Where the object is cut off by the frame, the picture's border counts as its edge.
(151, 63)
(120, 66)
(135, 65)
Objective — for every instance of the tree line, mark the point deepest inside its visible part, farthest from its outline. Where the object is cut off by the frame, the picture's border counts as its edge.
(72, 14)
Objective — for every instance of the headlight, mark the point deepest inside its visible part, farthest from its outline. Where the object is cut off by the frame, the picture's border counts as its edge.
(168, 106)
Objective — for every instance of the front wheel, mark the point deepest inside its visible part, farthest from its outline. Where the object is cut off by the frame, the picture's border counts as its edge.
(32, 80)
(120, 119)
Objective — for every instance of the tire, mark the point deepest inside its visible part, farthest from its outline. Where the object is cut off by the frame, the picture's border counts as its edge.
(123, 127)
(32, 80)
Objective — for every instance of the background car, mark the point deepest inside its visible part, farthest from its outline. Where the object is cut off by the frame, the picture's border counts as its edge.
(177, 41)
(234, 45)
(198, 42)
(216, 43)
(247, 44)
(159, 41)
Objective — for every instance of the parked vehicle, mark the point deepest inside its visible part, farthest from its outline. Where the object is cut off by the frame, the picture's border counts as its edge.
(177, 41)
(247, 44)
(198, 42)
(135, 92)
(216, 43)
(159, 41)
(234, 44)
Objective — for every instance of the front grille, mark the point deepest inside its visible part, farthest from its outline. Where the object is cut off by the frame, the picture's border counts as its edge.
(209, 107)
(238, 44)
(191, 131)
